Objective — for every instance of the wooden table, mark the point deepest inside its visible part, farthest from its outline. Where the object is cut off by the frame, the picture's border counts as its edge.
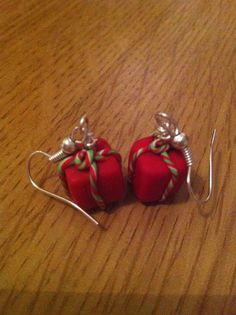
(120, 62)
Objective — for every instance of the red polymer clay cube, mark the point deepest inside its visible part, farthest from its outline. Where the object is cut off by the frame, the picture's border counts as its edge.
(110, 180)
(151, 174)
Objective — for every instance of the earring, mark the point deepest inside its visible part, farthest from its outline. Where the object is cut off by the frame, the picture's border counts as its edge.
(160, 163)
(89, 169)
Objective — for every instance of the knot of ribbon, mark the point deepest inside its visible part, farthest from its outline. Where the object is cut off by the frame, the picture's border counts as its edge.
(86, 159)
(160, 147)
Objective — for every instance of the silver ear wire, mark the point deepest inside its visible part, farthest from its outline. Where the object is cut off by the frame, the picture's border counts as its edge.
(69, 146)
(210, 177)
(168, 131)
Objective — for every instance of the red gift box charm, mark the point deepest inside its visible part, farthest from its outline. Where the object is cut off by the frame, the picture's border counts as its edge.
(156, 170)
(160, 163)
(93, 176)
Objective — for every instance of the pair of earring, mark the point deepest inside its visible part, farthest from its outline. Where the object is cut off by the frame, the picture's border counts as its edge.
(91, 171)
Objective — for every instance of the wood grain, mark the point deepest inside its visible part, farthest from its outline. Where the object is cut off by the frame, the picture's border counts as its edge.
(120, 62)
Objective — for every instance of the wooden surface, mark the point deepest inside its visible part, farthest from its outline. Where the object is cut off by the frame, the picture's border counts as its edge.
(120, 62)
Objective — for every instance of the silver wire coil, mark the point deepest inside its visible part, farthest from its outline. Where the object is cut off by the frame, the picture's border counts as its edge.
(58, 156)
(187, 153)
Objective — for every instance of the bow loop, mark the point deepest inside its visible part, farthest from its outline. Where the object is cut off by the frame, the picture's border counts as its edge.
(84, 159)
(159, 146)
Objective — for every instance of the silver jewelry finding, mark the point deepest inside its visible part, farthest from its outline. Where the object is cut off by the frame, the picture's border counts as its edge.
(167, 130)
(69, 146)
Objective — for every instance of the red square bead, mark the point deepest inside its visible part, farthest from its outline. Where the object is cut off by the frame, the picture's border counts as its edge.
(110, 183)
(151, 175)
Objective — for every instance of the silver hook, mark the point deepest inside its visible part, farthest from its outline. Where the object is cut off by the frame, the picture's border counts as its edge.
(210, 181)
(56, 157)
(50, 194)
(168, 131)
